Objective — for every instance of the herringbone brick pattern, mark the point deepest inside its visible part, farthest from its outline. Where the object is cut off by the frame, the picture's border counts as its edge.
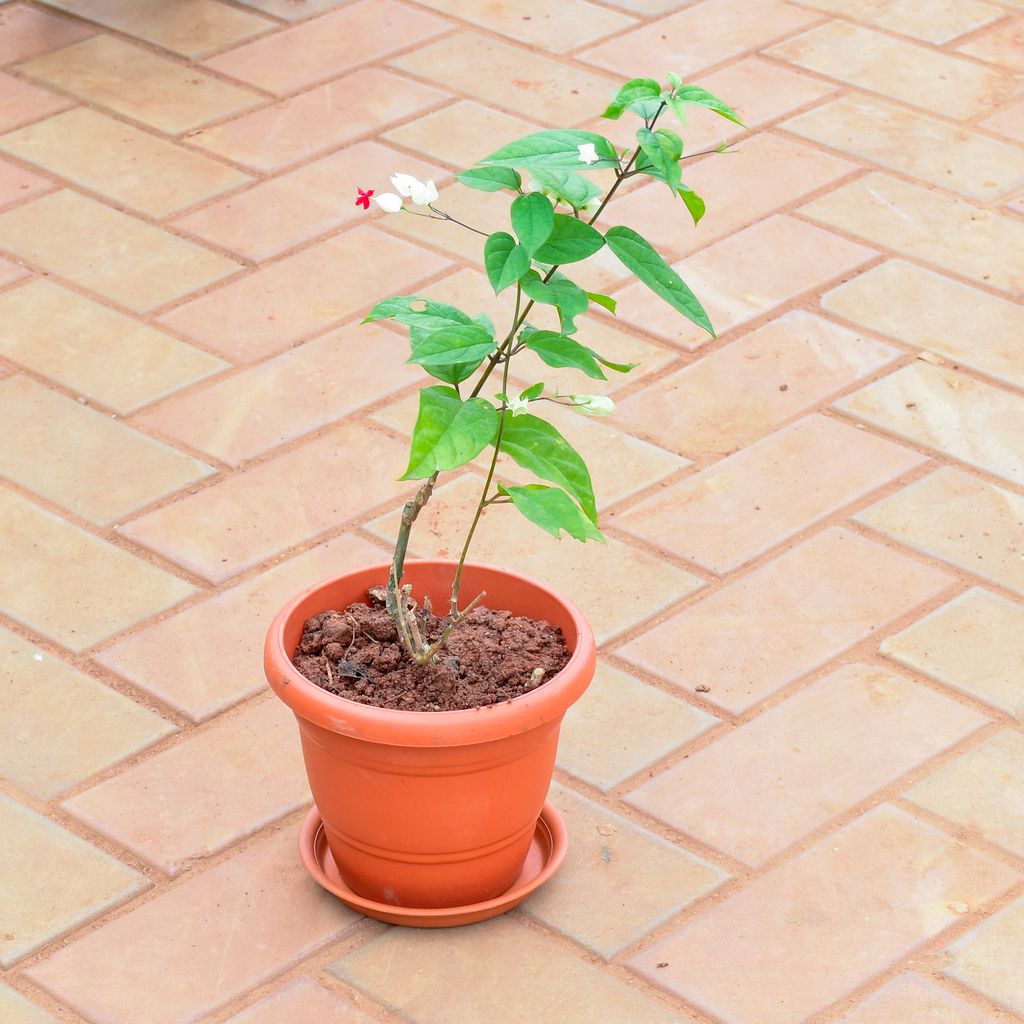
(796, 788)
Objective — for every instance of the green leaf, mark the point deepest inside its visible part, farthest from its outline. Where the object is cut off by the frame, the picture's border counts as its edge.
(638, 256)
(449, 432)
(413, 311)
(566, 296)
(702, 98)
(532, 392)
(532, 220)
(537, 446)
(617, 367)
(570, 241)
(694, 203)
(663, 149)
(559, 147)
(553, 510)
(635, 89)
(461, 346)
(504, 260)
(674, 81)
(491, 179)
(567, 186)
(603, 300)
(558, 350)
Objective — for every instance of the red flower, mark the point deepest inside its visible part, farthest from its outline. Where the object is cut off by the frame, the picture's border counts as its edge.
(364, 198)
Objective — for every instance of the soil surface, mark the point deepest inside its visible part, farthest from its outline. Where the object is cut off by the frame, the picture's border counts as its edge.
(490, 658)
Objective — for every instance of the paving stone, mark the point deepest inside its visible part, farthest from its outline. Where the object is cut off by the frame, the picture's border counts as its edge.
(898, 69)
(52, 881)
(205, 793)
(18, 184)
(46, 558)
(860, 900)
(258, 913)
(25, 32)
(1003, 44)
(192, 28)
(934, 21)
(96, 467)
(484, 68)
(59, 726)
(914, 144)
(974, 644)
(135, 264)
(614, 584)
(301, 294)
(313, 51)
(18, 1010)
(321, 119)
(734, 395)
(21, 102)
(766, 785)
(959, 519)
(285, 397)
(948, 412)
(261, 511)
(210, 655)
(699, 36)
(785, 619)
(621, 726)
(145, 86)
(11, 272)
(619, 881)
(1009, 121)
(300, 1000)
(911, 999)
(414, 972)
(297, 206)
(987, 959)
(735, 283)
(934, 313)
(923, 224)
(741, 507)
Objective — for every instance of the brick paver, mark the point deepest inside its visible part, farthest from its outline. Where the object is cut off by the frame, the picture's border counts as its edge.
(794, 787)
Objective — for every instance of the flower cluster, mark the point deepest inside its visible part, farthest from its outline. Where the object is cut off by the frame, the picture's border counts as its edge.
(420, 192)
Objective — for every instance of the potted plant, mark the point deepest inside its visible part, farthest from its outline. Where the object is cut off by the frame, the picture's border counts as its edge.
(429, 724)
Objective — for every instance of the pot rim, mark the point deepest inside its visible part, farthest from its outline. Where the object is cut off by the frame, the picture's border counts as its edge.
(429, 728)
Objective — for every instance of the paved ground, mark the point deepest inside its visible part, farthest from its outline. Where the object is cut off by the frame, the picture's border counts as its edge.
(796, 788)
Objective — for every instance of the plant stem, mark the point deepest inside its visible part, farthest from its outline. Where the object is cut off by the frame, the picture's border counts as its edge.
(409, 513)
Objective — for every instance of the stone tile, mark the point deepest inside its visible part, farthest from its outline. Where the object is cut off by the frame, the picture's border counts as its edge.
(621, 726)
(45, 558)
(119, 162)
(739, 508)
(619, 881)
(193, 28)
(18, 184)
(295, 207)
(94, 350)
(52, 881)
(983, 791)
(987, 959)
(933, 21)
(300, 1000)
(898, 69)
(59, 726)
(260, 512)
(766, 785)
(21, 102)
(974, 644)
(205, 793)
(914, 144)
(135, 264)
(18, 1010)
(11, 272)
(700, 36)
(512, 78)
(112, 73)
(947, 412)
(911, 999)
(96, 467)
(924, 224)
(860, 900)
(287, 396)
(785, 619)
(414, 972)
(26, 32)
(301, 294)
(735, 283)
(313, 51)
(960, 519)
(1009, 121)
(321, 119)
(615, 585)
(258, 913)
(927, 311)
(733, 396)
(210, 655)
(1003, 44)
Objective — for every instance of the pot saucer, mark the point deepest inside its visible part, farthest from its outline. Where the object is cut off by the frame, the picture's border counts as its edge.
(545, 857)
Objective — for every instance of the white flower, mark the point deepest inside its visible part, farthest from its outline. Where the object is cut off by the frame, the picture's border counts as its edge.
(593, 405)
(518, 405)
(388, 201)
(591, 205)
(421, 193)
(588, 154)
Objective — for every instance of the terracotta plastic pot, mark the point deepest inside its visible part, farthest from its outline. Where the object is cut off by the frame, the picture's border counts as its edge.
(430, 809)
